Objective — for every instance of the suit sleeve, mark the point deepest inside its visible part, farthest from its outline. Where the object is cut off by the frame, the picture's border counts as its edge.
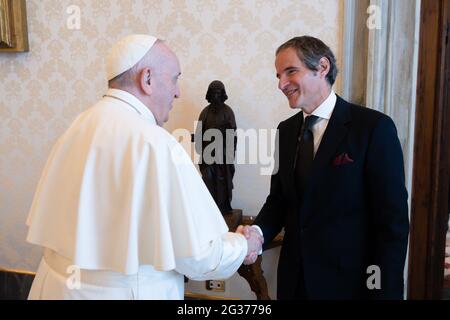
(271, 218)
(389, 208)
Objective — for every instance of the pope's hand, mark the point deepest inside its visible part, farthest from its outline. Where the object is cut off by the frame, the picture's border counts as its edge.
(254, 243)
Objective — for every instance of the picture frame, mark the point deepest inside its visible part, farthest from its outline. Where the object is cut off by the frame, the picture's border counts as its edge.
(13, 26)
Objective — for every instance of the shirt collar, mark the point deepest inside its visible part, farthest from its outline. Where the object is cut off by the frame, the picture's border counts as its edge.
(132, 102)
(325, 110)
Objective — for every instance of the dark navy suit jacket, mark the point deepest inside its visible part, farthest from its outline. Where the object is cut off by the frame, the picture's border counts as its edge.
(351, 216)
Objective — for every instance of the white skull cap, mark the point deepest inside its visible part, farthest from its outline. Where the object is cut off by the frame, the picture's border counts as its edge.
(127, 52)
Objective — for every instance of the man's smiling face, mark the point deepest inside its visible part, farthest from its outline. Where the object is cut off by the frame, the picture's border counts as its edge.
(300, 85)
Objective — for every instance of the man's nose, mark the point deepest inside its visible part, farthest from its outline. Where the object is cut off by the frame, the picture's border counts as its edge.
(177, 92)
(282, 83)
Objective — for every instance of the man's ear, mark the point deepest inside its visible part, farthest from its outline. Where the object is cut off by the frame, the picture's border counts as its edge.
(145, 80)
(324, 66)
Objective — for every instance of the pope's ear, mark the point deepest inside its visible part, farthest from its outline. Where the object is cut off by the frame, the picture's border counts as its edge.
(145, 80)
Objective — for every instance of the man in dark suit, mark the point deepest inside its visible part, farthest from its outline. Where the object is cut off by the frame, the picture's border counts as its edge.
(339, 190)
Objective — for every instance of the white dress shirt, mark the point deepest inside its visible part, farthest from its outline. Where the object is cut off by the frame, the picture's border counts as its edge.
(323, 112)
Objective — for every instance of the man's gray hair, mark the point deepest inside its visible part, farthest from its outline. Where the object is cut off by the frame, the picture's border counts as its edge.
(310, 50)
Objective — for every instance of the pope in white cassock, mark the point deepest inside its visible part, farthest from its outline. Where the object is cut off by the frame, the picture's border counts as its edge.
(120, 209)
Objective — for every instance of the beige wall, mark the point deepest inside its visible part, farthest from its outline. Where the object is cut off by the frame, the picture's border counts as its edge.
(42, 91)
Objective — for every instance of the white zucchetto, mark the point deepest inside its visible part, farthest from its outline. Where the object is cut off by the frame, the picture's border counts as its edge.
(127, 52)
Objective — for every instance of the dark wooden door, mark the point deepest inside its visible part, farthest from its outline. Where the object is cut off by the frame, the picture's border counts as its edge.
(429, 202)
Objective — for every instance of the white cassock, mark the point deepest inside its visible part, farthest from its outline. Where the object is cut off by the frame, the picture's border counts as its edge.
(121, 207)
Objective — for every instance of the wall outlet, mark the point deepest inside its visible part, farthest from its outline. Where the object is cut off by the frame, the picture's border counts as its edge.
(215, 285)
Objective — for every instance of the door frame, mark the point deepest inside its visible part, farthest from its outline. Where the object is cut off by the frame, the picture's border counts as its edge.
(430, 184)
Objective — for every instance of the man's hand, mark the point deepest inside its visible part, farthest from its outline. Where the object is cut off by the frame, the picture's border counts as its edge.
(254, 242)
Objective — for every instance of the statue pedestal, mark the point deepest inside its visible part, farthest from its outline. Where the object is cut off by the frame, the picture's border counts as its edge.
(233, 219)
(252, 273)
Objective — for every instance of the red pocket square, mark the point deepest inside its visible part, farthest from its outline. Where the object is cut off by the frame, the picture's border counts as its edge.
(341, 159)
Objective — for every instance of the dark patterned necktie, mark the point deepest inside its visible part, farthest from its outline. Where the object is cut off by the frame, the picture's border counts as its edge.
(305, 153)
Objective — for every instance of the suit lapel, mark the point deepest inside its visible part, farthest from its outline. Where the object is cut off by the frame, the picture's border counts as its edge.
(334, 134)
(291, 147)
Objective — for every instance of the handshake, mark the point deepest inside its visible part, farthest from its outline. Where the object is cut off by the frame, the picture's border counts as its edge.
(255, 241)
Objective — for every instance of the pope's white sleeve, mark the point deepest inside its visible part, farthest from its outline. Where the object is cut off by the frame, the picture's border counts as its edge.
(220, 259)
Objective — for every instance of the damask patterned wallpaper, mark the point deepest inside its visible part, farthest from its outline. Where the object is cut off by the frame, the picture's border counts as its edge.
(63, 74)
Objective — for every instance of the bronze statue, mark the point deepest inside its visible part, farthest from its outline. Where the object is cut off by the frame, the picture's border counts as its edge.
(217, 166)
